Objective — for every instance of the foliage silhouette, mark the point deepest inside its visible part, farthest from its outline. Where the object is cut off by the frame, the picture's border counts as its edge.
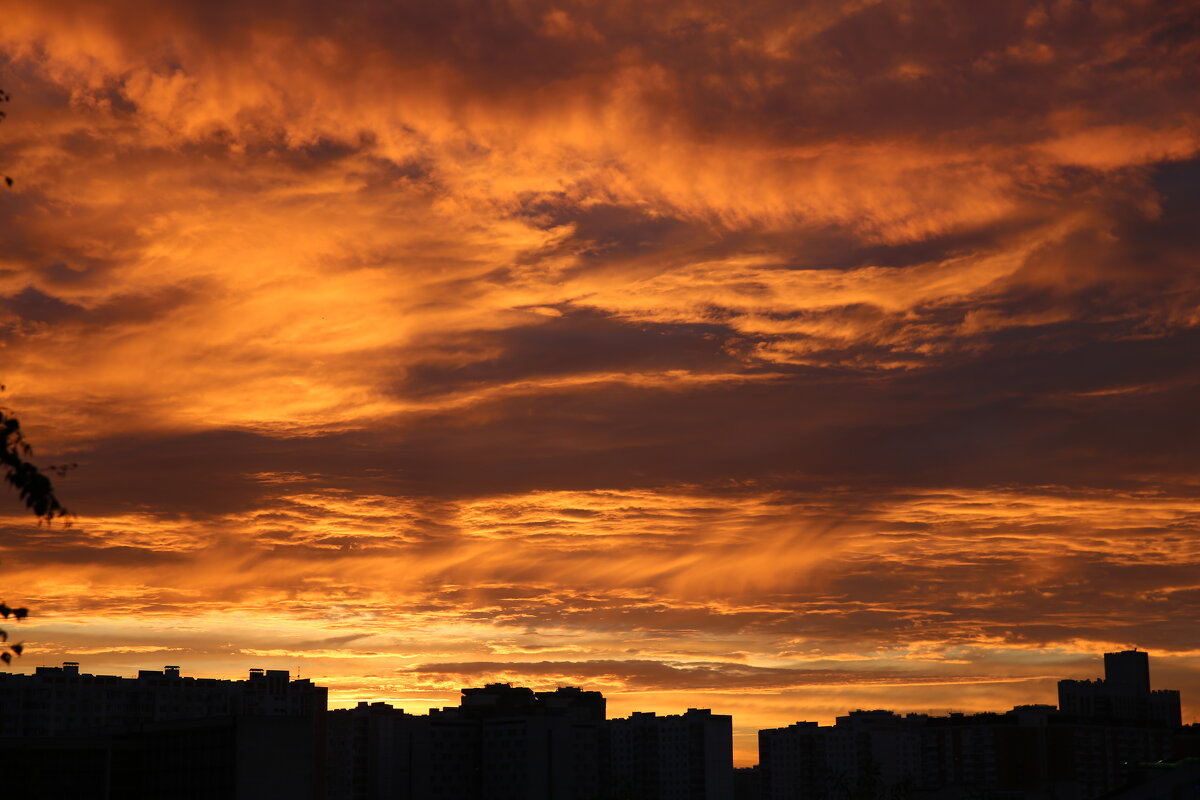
(12, 649)
(4, 98)
(33, 487)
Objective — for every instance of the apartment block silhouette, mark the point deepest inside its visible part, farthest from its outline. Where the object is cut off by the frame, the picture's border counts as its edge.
(510, 743)
(1123, 693)
(502, 743)
(1096, 743)
(1029, 752)
(67, 734)
(673, 757)
(166, 736)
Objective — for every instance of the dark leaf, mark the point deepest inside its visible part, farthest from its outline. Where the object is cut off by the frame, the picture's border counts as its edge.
(33, 487)
(18, 648)
(6, 658)
(20, 613)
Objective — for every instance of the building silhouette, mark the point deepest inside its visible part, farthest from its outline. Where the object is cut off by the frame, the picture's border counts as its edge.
(502, 742)
(160, 735)
(674, 757)
(1029, 752)
(1123, 693)
(166, 736)
(374, 751)
(1093, 745)
(1179, 780)
(507, 742)
(747, 783)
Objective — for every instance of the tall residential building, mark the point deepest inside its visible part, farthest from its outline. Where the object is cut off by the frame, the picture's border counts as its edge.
(1128, 670)
(510, 743)
(501, 743)
(161, 735)
(506, 742)
(674, 757)
(1029, 753)
(54, 701)
(1123, 693)
(793, 762)
(376, 751)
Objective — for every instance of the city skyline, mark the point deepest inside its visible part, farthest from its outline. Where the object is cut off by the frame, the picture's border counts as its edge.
(1067, 699)
(166, 733)
(775, 357)
(1126, 671)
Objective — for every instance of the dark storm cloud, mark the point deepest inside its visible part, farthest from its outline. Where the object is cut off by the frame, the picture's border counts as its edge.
(581, 342)
(1030, 418)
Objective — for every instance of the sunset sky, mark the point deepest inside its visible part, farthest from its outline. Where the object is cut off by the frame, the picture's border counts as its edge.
(782, 357)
